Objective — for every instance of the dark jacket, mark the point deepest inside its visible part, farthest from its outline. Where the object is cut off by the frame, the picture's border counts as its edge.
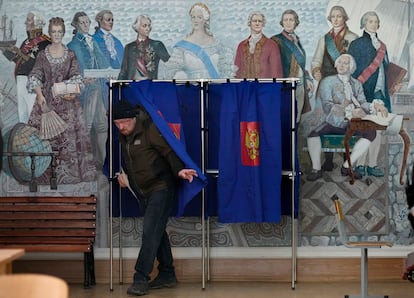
(28, 51)
(152, 52)
(151, 164)
(364, 53)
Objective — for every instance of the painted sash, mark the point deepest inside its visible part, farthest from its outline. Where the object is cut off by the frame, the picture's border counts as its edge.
(200, 53)
(331, 47)
(376, 62)
(300, 58)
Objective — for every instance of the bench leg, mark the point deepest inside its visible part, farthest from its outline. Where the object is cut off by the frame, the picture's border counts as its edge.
(89, 269)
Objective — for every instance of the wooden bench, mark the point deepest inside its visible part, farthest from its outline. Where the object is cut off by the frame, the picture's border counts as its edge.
(51, 224)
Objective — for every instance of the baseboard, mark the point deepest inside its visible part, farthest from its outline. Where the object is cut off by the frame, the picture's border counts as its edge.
(236, 252)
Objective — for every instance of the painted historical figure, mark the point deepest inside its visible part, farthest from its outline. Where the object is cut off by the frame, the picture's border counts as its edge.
(371, 57)
(294, 59)
(332, 44)
(329, 48)
(25, 57)
(110, 46)
(257, 56)
(340, 96)
(56, 66)
(200, 55)
(142, 56)
(94, 96)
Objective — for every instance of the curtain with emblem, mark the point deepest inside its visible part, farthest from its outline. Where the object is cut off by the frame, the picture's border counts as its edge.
(249, 153)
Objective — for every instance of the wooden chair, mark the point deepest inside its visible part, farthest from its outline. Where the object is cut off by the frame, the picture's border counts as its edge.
(32, 286)
(363, 245)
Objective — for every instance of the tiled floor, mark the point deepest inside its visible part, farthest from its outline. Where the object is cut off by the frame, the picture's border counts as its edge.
(399, 289)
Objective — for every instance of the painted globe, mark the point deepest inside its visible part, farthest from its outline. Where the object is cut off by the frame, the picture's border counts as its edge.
(26, 153)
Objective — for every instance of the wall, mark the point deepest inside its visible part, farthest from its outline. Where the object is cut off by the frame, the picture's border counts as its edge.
(229, 24)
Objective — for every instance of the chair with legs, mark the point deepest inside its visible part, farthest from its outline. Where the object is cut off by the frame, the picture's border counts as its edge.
(362, 245)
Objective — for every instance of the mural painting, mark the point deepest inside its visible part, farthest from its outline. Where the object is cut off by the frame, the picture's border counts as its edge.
(301, 38)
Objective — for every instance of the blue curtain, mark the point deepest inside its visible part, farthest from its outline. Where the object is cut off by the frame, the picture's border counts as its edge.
(240, 193)
(160, 101)
(250, 160)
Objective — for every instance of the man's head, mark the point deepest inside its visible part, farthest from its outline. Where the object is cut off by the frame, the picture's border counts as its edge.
(142, 26)
(256, 21)
(370, 21)
(105, 19)
(81, 22)
(33, 21)
(345, 64)
(124, 116)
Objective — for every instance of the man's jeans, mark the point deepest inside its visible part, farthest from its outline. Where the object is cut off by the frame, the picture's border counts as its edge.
(155, 243)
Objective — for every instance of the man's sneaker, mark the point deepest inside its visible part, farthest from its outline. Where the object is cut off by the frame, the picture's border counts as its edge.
(362, 170)
(163, 282)
(375, 171)
(138, 289)
(345, 172)
(314, 175)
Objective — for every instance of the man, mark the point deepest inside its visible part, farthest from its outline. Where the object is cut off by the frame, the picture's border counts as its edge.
(152, 172)
(340, 96)
(293, 58)
(25, 57)
(110, 46)
(371, 57)
(332, 44)
(142, 56)
(258, 56)
(94, 97)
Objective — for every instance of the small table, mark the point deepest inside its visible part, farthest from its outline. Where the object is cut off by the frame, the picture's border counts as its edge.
(7, 256)
(357, 124)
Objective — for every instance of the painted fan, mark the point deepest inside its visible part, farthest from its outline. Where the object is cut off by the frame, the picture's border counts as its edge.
(51, 124)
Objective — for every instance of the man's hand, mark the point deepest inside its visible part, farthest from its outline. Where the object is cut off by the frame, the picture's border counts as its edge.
(381, 109)
(358, 113)
(123, 179)
(317, 75)
(187, 174)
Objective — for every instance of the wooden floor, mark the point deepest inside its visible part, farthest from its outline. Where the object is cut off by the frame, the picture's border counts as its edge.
(400, 289)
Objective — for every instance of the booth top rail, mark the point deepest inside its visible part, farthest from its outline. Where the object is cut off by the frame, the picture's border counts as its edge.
(214, 81)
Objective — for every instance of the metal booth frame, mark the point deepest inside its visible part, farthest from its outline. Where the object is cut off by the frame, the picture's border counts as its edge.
(292, 174)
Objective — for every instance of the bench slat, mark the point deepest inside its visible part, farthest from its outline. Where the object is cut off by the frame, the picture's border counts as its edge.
(53, 248)
(45, 240)
(46, 207)
(60, 200)
(77, 224)
(47, 233)
(5, 216)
